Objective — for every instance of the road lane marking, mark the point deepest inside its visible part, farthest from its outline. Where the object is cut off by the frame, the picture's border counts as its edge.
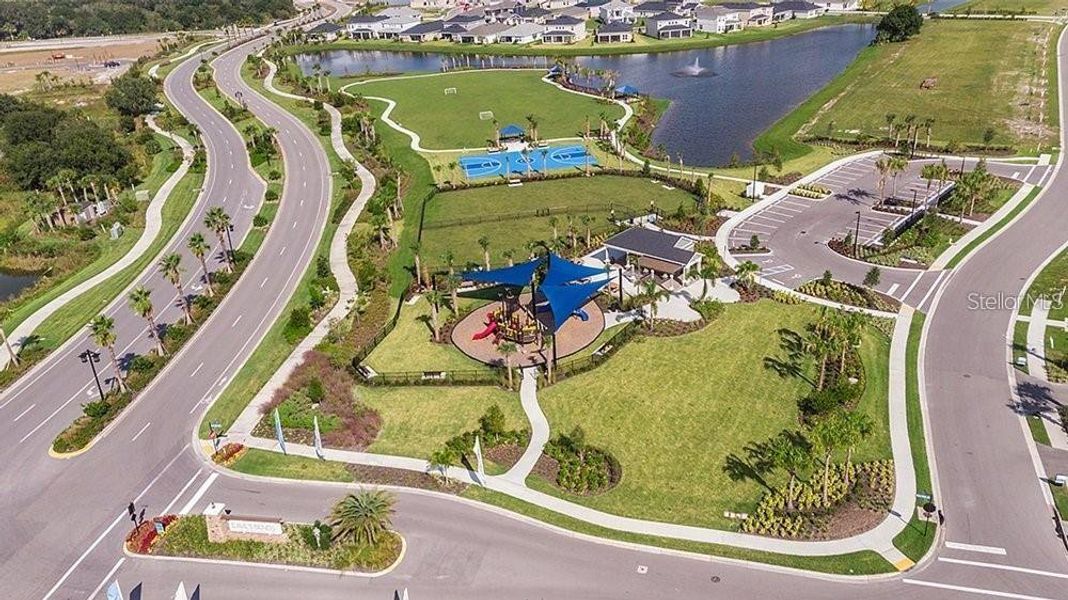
(262, 283)
(282, 251)
(48, 418)
(118, 519)
(140, 432)
(974, 547)
(236, 321)
(973, 563)
(294, 225)
(196, 370)
(893, 288)
(23, 413)
(203, 489)
(972, 590)
(933, 287)
(104, 582)
(167, 509)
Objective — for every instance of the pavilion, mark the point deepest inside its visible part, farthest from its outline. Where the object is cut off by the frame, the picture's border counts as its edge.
(511, 133)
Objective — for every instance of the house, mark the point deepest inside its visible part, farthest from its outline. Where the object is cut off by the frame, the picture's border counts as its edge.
(529, 14)
(400, 11)
(660, 254)
(751, 13)
(614, 32)
(573, 11)
(325, 31)
(452, 32)
(592, 7)
(668, 26)
(466, 20)
(432, 4)
(487, 33)
(553, 5)
(363, 27)
(838, 4)
(498, 11)
(423, 32)
(653, 8)
(616, 10)
(523, 33)
(717, 19)
(564, 30)
(391, 27)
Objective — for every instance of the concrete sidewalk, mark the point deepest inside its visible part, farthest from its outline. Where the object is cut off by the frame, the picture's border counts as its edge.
(539, 428)
(339, 266)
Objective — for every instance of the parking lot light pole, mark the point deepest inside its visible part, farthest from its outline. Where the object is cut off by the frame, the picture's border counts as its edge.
(91, 358)
(856, 237)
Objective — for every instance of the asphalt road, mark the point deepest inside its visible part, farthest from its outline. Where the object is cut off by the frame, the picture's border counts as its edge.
(64, 520)
(55, 509)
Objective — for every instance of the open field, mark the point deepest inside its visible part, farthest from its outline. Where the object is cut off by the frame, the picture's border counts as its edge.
(409, 347)
(574, 197)
(418, 420)
(19, 69)
(587, 47)
(453, 121)
(989, 76)
(1031, 7)
(672, 409)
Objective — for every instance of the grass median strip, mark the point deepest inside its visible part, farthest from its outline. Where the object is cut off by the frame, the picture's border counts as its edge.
(997, 227)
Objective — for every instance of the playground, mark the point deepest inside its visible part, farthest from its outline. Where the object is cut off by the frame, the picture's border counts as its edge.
(521, 162)
(480, 334)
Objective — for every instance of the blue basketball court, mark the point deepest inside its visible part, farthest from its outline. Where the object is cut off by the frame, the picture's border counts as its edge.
(514, 162)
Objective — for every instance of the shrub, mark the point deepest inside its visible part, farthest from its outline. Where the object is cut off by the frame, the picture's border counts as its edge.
(709, 310)
(825, 401)
(260, 220)
(270, 196)
(274, 175)
(492, 423)
(96, 410)
(315, 390)
(326, 535)
(298, 324)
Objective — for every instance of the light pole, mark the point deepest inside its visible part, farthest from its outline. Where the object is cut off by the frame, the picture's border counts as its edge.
(856, 236)
(91, 358)
(230, 241)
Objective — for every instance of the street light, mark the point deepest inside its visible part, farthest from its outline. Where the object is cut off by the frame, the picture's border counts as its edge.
(856, 237)
(230, 241)
(91, 358)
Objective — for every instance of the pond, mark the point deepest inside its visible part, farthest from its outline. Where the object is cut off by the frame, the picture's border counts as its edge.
(741, 90)
(11, 284)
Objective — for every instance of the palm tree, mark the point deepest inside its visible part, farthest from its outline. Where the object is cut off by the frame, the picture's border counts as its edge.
(746, 273)
(789, 452)
(928, 124)
(587, 220)
(532, 125)
(435, 298)
(897, 166)
(199, 247)
(703, 271)
(509, 255)
(141, 303)
(856, 427)
(484, 243)
(171, 267)
(218, 221)
(361, 518)
(507, 350)
(442, 459)
(102, 330)
(652, 293)
(4, 314)
(826, 437)
(909, 120)
(882, 167)
(555, 222)
(890, 118)
(416, 247)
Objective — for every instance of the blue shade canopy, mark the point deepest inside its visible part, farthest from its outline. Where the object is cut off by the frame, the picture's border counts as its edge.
(627, 90)
(512, 130)
(564, 271)
(519, 275)
(565, 299)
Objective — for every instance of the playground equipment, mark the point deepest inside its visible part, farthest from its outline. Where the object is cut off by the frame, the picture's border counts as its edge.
(491, 327)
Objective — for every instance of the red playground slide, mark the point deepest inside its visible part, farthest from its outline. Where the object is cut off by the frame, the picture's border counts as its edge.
(486, 332)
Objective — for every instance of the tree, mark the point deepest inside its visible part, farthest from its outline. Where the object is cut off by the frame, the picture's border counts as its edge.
(890, 118)
(102, 330)
(902, 22)
(652, 294)
(897, 166)
(442, 459)
(746, 273)
(435, 298)
(790, 452)
(131, 94)
(856, 427)
(871, 278)
(826, 436)
(199, 247)
(141, 303)
(361, 518)
(416, 248)
(484, 243)
(218, 221)
(507, 350)
(587, 221)
(882, 168)
(171, 268)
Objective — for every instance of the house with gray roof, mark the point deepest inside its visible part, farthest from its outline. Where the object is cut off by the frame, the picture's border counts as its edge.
(653, 252)
(614, 32)
(668, 26)
(423, 32)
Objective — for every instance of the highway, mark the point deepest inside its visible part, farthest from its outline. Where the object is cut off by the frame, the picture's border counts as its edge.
(64, 519)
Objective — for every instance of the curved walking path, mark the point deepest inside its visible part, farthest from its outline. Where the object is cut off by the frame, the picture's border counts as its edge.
(539, 429)
(153, 225)
(339, 265)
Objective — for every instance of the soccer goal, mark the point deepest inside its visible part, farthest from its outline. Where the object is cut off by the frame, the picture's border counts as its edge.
(450, 91)
(485, 115)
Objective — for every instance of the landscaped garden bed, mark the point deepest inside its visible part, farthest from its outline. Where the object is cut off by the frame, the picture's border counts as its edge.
(357, 539)
(915, 247)
(851, 294)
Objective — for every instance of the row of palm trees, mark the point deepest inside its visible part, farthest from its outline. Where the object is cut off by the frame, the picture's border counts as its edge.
(58, 204)
(102, 327)
(910, 126)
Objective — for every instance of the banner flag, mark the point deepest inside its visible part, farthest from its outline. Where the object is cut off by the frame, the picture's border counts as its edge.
(180, 594)
(479, 464)
(318, 437)
(114, 591)
(278, 432)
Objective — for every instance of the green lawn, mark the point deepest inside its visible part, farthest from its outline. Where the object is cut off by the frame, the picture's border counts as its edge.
(672, 409)
(1050, 282)
(983, 72)
(418, 420)
(577, 196)
(409, 347)
(272, 464)
(453, 121)
(1034, 7)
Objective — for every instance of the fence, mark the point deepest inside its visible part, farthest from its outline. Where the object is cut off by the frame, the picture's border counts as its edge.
(609, 347)
(620, 211)
(487, 376)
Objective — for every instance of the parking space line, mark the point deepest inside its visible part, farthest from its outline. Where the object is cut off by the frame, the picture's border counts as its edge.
(958, 545)
(772, 219)
(893, 288)
(983, 565)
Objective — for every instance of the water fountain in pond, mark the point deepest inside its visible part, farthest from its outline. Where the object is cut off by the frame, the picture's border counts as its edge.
(694, 70)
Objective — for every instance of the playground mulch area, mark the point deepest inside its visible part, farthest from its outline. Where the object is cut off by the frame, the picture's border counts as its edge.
(457, 120)
(572, 337)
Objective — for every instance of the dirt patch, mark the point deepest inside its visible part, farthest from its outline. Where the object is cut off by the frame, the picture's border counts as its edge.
(19, 69)
(403, 477)
(505, 455)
